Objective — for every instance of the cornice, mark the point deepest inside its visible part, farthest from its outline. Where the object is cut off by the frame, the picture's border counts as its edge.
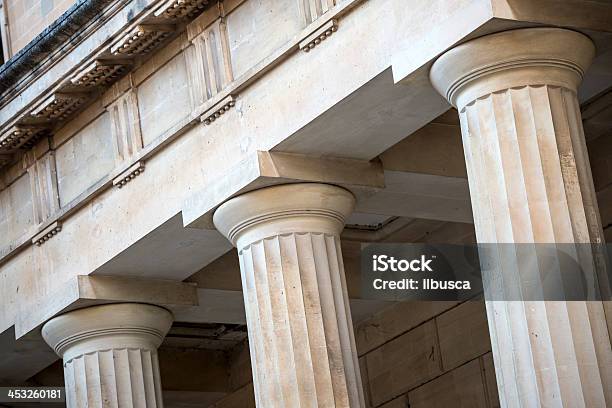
(49, 43)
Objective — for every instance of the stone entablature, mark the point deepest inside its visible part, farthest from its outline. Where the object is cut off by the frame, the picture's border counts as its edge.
(139, 39)
(200, 59)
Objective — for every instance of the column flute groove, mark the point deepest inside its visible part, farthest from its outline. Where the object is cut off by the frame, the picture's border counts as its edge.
(530, 184)
(300, 329)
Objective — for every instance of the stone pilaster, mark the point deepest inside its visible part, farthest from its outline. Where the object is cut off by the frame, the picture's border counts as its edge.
(300, 329)
(530, 182)
(110, 354)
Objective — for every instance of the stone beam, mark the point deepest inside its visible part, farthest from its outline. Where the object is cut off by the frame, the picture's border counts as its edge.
(418, 195)
(270, 168)
(425, 176)
(434, 149)
(461, 24)
(215, 306)
(84, 291)
(227, 306)
(23, 352)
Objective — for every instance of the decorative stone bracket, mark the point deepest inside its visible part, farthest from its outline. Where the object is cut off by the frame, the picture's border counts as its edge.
(128, 175)
(38, 122)
(219, 109)
(20, 136)
(319, 35)
(47, 233)
(59, 106)
(100, 72)
(175, 9)
(142, 39)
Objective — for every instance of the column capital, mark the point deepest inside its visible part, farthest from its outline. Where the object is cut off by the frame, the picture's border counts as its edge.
(284, 209)
(119, 325)
(515, 58)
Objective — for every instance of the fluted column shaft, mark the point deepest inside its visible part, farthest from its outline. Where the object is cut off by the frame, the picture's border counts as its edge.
(530, 182)
(300, 329)
(110, 354)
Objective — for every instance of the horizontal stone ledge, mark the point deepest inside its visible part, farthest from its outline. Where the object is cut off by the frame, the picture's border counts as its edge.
(85, 290)
(227, 306)
(265, 169)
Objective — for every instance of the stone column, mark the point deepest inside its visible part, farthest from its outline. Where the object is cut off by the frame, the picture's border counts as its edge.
(110, 354)
(298, 317)
(530, 182)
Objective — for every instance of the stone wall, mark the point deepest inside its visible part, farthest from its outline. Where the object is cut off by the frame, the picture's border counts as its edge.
(92, 143)
(417, 354)
(16, 212)
(28, 18)
(428, 354)
(600, 156)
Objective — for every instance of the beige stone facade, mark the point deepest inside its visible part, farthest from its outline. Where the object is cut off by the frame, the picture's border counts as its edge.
(186, 187)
